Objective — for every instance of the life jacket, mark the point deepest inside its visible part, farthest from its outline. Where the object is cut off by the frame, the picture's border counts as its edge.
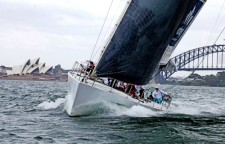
(132, 93)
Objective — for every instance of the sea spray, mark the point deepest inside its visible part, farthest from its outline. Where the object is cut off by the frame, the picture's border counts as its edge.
(51, 104)
(68, 103)
(114, 109)
(196, 105)
(139, 111)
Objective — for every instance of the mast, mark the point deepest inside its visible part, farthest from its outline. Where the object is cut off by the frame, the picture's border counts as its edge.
(138, 42)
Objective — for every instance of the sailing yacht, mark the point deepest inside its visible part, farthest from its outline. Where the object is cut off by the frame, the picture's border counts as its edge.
(145, 36)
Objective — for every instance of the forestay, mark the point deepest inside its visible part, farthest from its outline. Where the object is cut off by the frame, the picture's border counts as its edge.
(141, 38)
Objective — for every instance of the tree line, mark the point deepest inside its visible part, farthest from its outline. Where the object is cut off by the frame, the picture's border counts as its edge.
(217, 80)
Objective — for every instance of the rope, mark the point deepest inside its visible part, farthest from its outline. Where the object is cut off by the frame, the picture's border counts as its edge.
(191, 72)
(214, 26)
(101, 29)
(221, 20)
(108, 29)
(156, 74)
(219, 35)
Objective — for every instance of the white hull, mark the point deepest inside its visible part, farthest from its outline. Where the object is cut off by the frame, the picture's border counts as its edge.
(81, 96)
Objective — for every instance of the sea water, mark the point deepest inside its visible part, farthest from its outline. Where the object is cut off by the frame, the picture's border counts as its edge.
(33, 112)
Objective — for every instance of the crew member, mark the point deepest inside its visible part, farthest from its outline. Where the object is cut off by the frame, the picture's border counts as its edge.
(141, 91)
(157, 95)
(90, 67)
(105, 80)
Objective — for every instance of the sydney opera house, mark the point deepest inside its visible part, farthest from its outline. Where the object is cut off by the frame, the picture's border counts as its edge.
(30, 67)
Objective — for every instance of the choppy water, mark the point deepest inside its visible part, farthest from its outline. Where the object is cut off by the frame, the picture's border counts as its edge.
(33, 112)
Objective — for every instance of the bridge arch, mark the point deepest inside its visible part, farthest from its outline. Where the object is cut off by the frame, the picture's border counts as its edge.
(199, 54)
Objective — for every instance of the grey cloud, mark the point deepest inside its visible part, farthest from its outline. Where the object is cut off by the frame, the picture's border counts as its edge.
(20, 15)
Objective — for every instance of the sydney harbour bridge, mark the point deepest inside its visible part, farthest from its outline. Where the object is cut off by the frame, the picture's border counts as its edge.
(199, 59)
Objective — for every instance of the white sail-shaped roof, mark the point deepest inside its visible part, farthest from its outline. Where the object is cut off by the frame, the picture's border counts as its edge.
(31, 70)
(35, 61)
(41, 66)
(25, 67)
(45, 69)
(29, 67)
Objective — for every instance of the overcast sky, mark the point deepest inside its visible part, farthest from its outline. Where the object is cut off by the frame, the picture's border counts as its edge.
(62, 31)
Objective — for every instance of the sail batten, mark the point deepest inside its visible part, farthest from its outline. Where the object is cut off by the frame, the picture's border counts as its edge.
(141, 38)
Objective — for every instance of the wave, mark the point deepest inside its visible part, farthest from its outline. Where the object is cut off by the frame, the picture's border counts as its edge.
(176, 108)
(51, 104)
(196, 109)
(106, 108)
(134, 111)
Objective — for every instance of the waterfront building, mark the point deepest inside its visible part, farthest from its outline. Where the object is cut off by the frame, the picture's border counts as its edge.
(30, 67)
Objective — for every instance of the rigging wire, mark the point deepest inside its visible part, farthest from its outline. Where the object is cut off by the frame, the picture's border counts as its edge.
(214, 26)
(222, 20)
(108, 28)
(159, 71)
(207, 43)
(208, 49)
(101, 29)
(191, 72)
(219, 35)
(218, 27)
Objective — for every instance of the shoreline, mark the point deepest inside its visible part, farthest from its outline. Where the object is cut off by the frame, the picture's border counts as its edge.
(30, 77)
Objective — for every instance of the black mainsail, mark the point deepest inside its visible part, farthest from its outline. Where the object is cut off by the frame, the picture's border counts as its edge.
(146, 30)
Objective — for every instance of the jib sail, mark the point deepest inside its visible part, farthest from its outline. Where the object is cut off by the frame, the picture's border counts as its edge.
(141, 38)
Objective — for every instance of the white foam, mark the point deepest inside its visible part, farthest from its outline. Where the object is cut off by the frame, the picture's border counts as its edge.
(184, 109)
(134, 111)
(195, 108)
(51, 104)
(191, 105)
(139, 111)
(68, 103)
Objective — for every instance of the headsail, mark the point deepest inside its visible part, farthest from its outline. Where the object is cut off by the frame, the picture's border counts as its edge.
(141, 38)
(183, 27)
